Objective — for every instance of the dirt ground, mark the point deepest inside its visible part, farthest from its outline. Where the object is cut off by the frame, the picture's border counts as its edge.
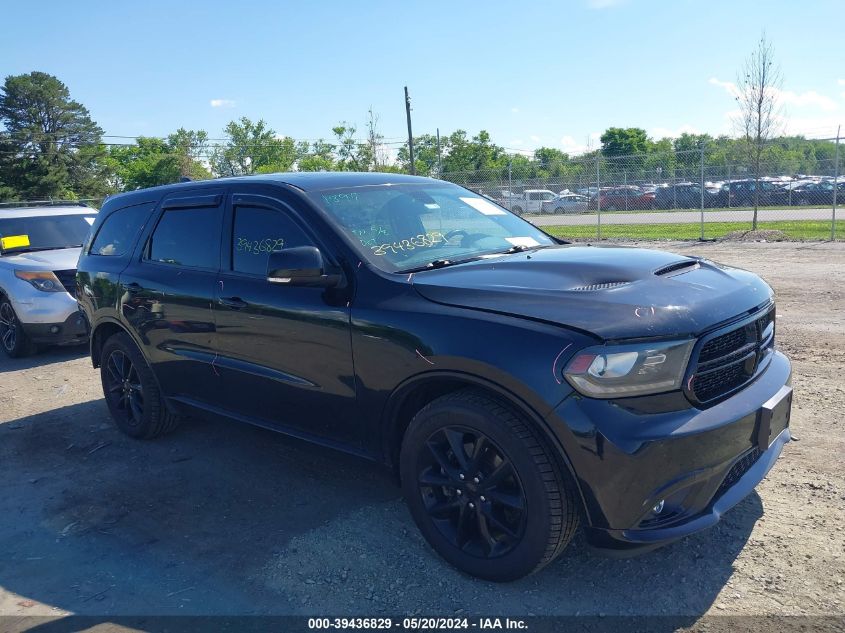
(221, 518)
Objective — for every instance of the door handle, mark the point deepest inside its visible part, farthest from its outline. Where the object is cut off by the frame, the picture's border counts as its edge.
(236, 303)
(132, 288)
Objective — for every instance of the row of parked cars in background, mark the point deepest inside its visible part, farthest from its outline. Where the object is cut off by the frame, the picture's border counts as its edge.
(796, 191)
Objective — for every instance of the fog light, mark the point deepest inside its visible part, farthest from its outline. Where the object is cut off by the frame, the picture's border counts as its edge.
(659, 507)
(54, 329)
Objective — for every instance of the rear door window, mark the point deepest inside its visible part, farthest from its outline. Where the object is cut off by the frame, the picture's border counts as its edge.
(188, 237)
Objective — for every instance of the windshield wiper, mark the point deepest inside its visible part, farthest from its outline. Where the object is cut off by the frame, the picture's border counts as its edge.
(519, 248)
(437, 263)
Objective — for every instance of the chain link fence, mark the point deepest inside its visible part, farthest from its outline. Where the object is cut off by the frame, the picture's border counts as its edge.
(692, 194)
(703, 193)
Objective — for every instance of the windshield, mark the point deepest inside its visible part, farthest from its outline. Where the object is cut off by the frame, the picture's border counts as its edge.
(44, 232)
(403, 227)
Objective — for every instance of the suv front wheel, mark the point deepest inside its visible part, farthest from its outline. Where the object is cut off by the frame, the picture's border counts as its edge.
(134, 400)
(483, 488)
(13, 339)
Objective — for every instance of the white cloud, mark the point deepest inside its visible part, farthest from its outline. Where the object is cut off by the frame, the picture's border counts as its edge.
(574, 148)
(810, 98)
(514, 109)
(728, 86)
(222, 103)
(603, 4)
(535, 138)
(842, 82)
(517, 142)
(665, 132)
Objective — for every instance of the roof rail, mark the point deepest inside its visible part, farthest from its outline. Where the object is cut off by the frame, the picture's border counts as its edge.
(48, 203)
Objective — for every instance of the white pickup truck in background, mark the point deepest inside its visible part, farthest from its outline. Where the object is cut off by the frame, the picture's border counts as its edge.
(530, 201)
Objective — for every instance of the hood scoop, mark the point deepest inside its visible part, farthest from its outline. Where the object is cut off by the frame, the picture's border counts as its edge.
(678, 268)
(599, 286)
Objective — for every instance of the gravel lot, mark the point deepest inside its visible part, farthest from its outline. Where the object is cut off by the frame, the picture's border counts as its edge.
(221, 518)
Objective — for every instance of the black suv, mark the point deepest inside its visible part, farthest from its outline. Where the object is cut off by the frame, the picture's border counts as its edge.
(518, 384)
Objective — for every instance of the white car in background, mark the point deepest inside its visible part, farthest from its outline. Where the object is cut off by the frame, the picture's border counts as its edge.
(39, 249)
(530, 201)
(566, 203)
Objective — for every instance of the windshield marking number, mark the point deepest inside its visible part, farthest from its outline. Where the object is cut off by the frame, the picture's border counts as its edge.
(423, 240)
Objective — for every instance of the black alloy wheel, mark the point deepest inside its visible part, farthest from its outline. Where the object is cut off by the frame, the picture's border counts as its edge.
(484, 487)
(124, 389)
(131, 390)
(13, 339)
(8, 327)
(472, 492)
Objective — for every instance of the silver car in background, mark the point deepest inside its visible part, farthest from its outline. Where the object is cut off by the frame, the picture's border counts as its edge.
(566, 203)
(39, 249)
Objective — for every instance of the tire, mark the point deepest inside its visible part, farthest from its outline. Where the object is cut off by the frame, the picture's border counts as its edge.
(131, 391)
(517, 210)
(560, 210)
(513, 511)
(13, 339)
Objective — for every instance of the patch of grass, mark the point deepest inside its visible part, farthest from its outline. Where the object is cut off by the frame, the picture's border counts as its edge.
(793, 229)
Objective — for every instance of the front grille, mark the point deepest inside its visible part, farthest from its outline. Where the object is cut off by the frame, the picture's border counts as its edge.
(739, 469)
(727, 361)
(67, 279)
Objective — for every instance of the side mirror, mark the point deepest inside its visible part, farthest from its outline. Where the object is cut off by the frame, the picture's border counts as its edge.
(299, 266)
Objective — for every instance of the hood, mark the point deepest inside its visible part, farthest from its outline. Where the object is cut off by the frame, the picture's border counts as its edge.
(57, 259)
(611, 292)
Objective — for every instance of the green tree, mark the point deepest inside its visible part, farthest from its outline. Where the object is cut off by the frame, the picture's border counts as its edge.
(617, 141)
(318, 157)
(352, 155)
(190, 148)
(253, 148)
(553, 163)
(45, 131)
(425, 155)
(150, 162)
(473, 154)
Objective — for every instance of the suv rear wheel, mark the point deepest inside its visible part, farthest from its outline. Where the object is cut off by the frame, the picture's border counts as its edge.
(134, 400)
(13, 339)
(483, 489)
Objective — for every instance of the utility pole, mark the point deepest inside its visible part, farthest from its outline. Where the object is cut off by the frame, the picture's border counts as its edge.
(702, 191)
(410, 133)
(439, 163)
(835, 185)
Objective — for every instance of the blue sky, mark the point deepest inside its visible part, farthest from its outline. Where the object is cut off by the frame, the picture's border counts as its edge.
(531, 73)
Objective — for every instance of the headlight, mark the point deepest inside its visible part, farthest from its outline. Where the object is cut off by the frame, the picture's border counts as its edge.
(43, 280)
(608, 371)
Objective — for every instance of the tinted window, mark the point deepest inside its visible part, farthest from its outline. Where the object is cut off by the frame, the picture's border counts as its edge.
(119, 230)
(257, 233)
(188, 237)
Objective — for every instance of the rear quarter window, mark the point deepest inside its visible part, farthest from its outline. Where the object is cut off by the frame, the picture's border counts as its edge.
(119, 230)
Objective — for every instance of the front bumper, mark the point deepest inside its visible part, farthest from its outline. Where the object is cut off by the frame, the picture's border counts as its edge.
(36, 307)
(73, 330)
(629, 456)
